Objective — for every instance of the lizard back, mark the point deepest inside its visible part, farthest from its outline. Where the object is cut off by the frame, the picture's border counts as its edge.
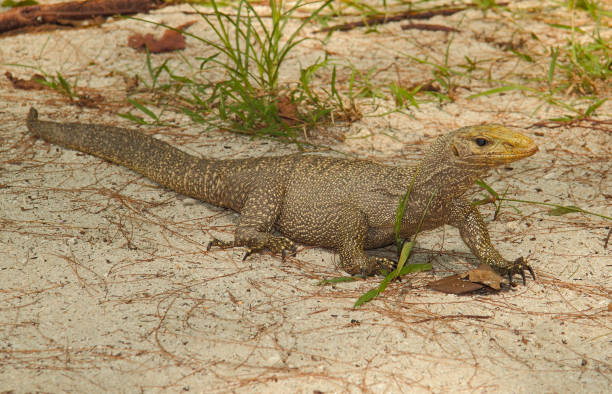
(224, 183)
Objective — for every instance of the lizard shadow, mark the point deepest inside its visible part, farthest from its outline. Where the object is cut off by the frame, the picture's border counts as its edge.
(443, 262)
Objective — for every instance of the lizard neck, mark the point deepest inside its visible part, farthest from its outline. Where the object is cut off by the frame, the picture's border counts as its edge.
(438, 171)
(448, 179)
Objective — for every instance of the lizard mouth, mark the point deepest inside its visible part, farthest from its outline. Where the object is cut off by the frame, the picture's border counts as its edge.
(520, 154)
(502, 158)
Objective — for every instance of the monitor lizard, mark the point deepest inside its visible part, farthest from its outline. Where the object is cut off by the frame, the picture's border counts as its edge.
(346, 205)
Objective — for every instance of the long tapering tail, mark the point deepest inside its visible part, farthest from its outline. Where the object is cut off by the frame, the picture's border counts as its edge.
(157, 160)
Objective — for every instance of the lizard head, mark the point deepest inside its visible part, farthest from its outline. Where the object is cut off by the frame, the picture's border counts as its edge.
(489, 146)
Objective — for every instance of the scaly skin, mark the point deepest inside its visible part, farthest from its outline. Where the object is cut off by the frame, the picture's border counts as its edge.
(341, 204)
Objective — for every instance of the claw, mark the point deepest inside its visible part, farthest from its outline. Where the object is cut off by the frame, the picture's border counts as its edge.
(213, 242)
(531, 272)
(247, 254)
(291, 252)
(519, 267)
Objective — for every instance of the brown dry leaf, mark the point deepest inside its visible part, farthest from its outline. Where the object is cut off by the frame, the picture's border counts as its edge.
(455, 285)
(468, 282)
(171, 40)
(287, 110)
(32, 84)
(610, 307)
(89, 100)
(485, 275)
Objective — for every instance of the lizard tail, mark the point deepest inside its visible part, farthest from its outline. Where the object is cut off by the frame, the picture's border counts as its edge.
(32, 117)
(142, 153)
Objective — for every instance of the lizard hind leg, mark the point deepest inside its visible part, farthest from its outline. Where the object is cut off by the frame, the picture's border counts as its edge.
(257, 217)
(256, 241)
(351, 226)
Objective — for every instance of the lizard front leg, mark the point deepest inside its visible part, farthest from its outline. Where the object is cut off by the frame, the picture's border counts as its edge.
(474, 233)
(349, 226)
(257, 216)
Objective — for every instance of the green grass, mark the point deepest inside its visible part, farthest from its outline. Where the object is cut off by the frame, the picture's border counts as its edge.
(574, 76)
(249, 49)
(57, 82)
(405, 249)
(555, 209)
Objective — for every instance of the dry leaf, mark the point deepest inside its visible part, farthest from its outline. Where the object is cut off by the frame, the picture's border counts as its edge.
(287, 110)
(171, 40)
(454, 285)
(468, 282)
(485, 275)
(31, 84)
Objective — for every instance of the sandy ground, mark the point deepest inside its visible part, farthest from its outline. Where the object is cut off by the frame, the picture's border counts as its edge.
(106, 283)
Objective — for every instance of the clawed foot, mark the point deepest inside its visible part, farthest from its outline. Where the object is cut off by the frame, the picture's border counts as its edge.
(221, 244)
(376, 265)
(518, 267)
(275, 244)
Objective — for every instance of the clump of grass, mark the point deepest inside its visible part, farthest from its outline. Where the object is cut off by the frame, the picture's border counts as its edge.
(575, 75)
(67, 87)
(249, 50)
(586, 65)
(60, 84)
(555, 209)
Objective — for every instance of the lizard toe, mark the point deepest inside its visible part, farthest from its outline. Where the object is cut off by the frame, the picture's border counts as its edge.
(377, 266)
(519, 266)
(291, 251)
(385, 264)
(221, 244)
(252, 248)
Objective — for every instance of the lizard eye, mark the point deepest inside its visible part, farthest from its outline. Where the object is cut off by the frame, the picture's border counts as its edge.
(481, 141)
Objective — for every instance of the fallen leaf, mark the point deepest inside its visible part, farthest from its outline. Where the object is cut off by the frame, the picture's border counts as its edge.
(454, 285)
(89, 101)
(27, 18)
(287, 110)
(468, 282)
(32, 84)
(485, 275)
(171, 40)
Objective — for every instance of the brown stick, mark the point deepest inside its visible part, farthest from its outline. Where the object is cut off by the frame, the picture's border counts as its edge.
(429, 26)
(379, 19)
(74, 10)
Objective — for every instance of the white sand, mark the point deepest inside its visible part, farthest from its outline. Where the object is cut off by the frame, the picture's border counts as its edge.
(106, 284)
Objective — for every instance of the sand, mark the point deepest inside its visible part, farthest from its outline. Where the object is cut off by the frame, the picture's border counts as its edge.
(106, 283)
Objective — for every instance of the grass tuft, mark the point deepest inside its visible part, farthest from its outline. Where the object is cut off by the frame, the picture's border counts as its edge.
(249, 49)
